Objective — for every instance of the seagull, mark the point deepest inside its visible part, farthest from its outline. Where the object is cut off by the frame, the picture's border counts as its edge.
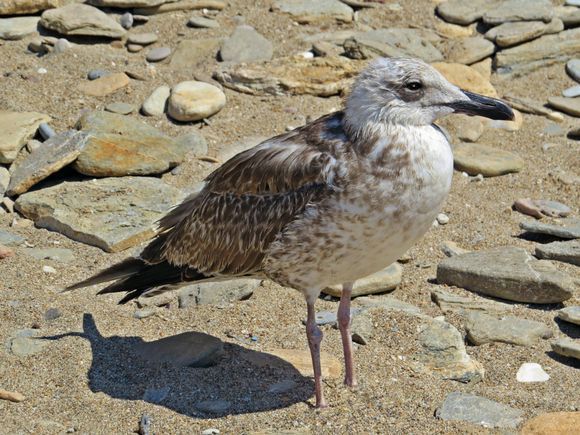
(303, 208)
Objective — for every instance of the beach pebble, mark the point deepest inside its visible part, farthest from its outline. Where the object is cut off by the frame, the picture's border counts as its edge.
(62, 45)
(570, 106)
(120, 108)
(567, 347)
(155, 104)
(11, 396)
(570, 314)
(572, 92)
(192, 101)
(45, 130)
(203, 23)
(539, 208)
(126, 20)
(532, 372)
(210, 431)
(442, 218)
(568, 251)
(570, 230)
(451, 249)
(482, 328)
(475, 158)
(48, 269)
(158, 54)
(573, 69)
(52, 314)
(97, 74)
(142, 38)
(134, 48)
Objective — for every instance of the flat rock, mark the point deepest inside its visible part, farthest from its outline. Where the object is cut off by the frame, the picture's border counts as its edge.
(482, 328)
(570, 314)
(120, 108)
(203, 23)
(465, 128)
(110, 213)
(388, 303)
(155, 104)
(182, 5)
(10, 239)
(193, 101)
(54, 154)
(16, 128)
(321, 76)
(571, 92)
(485, 160)
(453, 31)
(26, 7)
(190, 54)
(568, 252)
(478, 410)
(567, 347)
(570, 229)
(62, 255)
(298, 358)
(105, 85)
(469, 50)
(81, 19)
(393, 42)
(466, 78)
(508, 34)
(24, 343)
(552, 423)
(539, 208)
(450, 303)
(462, 12)
(158, 54)
(380, 282)
(189, 349)
(127, 4)
(245, 44)
(305, 12)
(548, 48)
(18, 28)
(120, 145)
(531, 372)
(571, 106)
(443, 353)
(519, 10)
(142, 38)
(507, 273)
(534, 107)
(217, 293)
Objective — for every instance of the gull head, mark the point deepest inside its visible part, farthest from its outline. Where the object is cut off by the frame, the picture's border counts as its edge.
(404, 91)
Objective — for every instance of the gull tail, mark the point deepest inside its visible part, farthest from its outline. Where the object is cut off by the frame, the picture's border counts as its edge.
(136, 277)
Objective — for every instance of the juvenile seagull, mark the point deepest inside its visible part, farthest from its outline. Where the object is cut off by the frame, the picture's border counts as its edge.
(303, 208)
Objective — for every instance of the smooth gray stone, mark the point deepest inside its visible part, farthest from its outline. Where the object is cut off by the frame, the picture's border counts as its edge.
(111, 213)
(126, 20)
(479, 410)
(52, 314)
(156, 103)
(443, 352)
(142, 38)
(464, 12)
(9, 239)
(158, 54)
(568, 252)
(217, 293)
(570, 229)
(245, 44)
(573, 69)
(571, 92)
(203, 23)
(570, 106)
(482, 328)
(45, 130)
(53, 155)
(469, 50)
(307, 11)
(61, 255)
(567, 347)
(97, 74)
(570, 314)
(24, 343)
(120, 108)
(188, 349)
(82, 20)
(18, 27)
(508, 273)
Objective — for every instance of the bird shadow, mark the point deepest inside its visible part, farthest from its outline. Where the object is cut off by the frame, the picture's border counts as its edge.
(242, 381)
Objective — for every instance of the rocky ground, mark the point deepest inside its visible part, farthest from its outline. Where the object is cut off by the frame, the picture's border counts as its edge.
(112, 111)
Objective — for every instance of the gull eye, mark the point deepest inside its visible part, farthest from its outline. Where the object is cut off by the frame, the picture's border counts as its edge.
(414, 85)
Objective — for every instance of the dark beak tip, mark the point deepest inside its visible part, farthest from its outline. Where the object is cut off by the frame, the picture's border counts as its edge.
(485, 106)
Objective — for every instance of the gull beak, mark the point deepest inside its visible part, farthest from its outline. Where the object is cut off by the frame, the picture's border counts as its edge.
(479, 105)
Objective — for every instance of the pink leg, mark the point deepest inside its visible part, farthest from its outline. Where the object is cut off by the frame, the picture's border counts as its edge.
(343, 316)
(314, 335)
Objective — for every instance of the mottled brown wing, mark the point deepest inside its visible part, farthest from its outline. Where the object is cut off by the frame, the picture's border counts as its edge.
(227, 227)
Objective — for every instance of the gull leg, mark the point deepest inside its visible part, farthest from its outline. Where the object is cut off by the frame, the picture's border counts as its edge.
(314, 335)
(343, 317)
